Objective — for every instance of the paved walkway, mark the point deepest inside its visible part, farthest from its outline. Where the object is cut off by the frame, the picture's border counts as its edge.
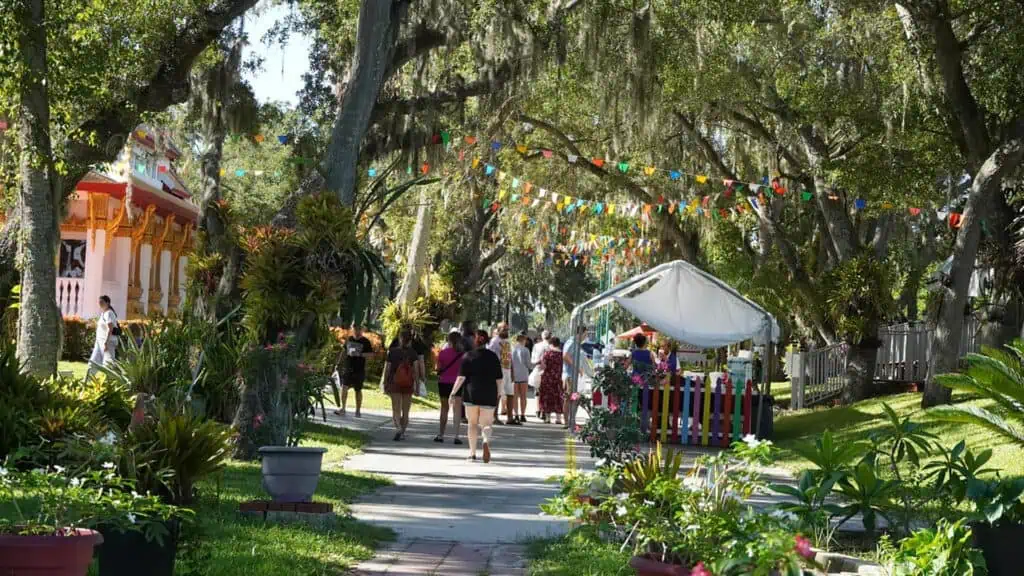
(455, 517)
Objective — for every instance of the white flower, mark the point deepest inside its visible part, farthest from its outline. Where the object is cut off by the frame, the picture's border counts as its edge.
(601, 462)
(38, 471)
(620, 510)
(76, 482)
(108, 465)
(131, 518)
(622, 496)
(58, 469)
(3, 471)
(751, 441)
(578, 512)
(135, 494)
(108, 439)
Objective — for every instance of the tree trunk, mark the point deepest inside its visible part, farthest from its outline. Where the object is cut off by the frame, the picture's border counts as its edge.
(953, 296)
(860, 369)
(38, 202)
(416, 258)
(376, 41)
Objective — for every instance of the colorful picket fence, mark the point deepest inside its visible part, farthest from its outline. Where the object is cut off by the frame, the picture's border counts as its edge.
(687, 410)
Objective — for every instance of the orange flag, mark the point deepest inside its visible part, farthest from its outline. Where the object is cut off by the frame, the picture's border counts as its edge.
(599, 162)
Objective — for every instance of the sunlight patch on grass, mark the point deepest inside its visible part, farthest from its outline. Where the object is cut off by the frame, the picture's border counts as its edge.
(858, 421)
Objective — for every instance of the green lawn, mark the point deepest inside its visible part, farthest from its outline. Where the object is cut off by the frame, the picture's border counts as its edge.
(78, 369)
(222, 543)
(579, 553)
(857, 421)
(375, 399)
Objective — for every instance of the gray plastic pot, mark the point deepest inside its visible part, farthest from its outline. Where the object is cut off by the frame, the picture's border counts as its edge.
(290, 474)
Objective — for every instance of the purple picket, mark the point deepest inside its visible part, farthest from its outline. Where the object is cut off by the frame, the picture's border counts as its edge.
(685, 415)
(696, 410)
(716, 417)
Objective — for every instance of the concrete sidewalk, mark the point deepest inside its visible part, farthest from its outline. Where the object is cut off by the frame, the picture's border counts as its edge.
(452, 516)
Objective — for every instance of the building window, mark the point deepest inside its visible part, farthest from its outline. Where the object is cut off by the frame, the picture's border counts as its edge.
(72, 258)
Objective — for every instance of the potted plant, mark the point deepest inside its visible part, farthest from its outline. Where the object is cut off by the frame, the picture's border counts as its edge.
(164, 454)
(995, 375)
(284, 394)
(57, 516)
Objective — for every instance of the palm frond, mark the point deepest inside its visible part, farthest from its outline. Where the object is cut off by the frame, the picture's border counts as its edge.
(980, 417)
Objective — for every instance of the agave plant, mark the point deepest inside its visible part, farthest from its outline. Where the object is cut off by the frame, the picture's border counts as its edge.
(997, 375)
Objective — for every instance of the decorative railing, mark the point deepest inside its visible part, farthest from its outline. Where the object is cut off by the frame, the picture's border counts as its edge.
(71, 296)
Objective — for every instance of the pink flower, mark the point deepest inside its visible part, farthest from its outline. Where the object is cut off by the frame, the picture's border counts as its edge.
(700, 570)
(268, 347)
(257, 421)
(637, 379)
(613, 406)
(578, 428)
(803, 546)
(574, 396)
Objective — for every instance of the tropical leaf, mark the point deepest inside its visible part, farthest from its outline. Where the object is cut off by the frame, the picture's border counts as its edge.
(979, 417)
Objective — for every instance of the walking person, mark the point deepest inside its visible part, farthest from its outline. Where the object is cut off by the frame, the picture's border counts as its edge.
(520, 376)
(569, 365)
(551, 395)
(502, 348)
(107, 332)
(480, 382)
(536, 354)
(352, 365)
(449, 362)
(400, 381)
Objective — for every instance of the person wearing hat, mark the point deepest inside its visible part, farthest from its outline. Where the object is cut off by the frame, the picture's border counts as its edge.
(502, 348)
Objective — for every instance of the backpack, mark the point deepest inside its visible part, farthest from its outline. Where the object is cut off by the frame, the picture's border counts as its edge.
(404, 378)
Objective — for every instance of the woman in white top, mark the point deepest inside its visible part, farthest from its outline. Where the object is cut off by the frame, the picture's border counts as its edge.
(106, 335)
(538, 352)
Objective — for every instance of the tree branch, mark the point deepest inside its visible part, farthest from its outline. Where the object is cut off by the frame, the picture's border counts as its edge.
(422, 40)
(435, 99)
(687, 246)
(101, 137)
(712, 154)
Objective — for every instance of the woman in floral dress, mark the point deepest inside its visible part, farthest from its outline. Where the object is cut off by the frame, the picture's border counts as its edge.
(551, 381)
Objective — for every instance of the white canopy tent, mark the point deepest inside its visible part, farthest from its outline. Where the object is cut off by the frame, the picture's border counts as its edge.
(689, 305)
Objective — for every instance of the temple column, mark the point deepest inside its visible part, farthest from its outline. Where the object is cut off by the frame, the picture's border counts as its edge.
(95, 253)
(157, 275)
(138, 276)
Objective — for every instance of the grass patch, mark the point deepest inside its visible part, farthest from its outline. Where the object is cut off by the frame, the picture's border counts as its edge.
(578, 553)
(858, 421)
(77, 369)
(375, 399)
(222, 543)
(782, 392)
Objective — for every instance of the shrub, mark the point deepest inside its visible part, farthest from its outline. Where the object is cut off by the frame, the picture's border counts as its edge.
(22, 397)
(78, 339)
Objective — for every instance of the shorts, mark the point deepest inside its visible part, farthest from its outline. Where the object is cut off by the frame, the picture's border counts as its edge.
(508, 387)
(353, 381)
(444, 389)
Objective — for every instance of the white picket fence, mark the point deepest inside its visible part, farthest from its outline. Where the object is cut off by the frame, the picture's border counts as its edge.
(903, 356)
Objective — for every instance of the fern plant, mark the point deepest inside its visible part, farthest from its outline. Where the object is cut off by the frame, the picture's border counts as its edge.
(997, 375)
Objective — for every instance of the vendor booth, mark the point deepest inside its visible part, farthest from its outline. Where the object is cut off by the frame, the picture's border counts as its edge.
(687, 304)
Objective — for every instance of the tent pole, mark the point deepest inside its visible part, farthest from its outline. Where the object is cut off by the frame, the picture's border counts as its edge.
(765, 370)
(570, 417)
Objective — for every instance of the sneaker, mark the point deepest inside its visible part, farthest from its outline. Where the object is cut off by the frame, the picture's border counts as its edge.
(456, 441)
(438, 439)
(472, 458)
(398, 436)
(487, 452)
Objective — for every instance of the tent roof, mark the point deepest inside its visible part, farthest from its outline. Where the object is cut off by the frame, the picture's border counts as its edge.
(690, 305)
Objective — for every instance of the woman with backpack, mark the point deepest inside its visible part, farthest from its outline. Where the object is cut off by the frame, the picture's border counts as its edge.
(400, 381)
(449, 362)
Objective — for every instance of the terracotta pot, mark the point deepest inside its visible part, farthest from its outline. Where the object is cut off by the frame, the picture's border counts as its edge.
(68, 555)
(650, 567)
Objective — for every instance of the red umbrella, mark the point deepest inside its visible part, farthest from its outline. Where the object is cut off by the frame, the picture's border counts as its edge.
(641, 329)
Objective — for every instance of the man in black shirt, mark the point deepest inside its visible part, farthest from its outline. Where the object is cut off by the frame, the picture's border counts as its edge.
(482, 377)
(357, 349)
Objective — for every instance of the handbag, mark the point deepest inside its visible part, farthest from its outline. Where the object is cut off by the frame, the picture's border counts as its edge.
(421, 388)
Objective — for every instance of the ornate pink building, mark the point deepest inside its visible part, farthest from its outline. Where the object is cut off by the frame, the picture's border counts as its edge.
(128, 233)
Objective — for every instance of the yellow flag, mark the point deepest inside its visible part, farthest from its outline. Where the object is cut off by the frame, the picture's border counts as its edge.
(476, 162)
(501, 194)
(701, 178)
(222, 172)
(611, 208)
(568, 200)
(501, 175)
(648, 170)
(521, 149)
